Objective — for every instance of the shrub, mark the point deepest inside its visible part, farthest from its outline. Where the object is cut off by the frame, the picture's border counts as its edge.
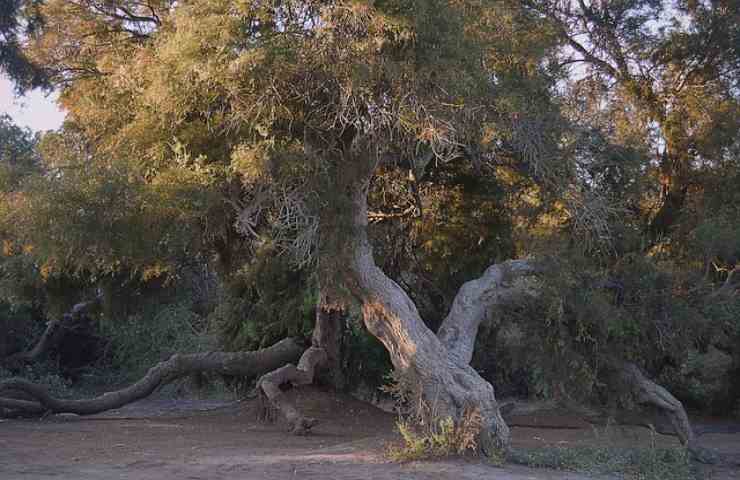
(142, 340)
(438, 437)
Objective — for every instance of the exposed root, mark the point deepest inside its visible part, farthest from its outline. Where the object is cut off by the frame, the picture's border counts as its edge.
(246, 364)
(274, 398)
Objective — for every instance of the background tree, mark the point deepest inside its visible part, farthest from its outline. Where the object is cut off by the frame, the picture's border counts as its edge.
(658, 75)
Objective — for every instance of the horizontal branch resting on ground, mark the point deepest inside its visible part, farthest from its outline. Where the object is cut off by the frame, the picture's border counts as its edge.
(246, 364)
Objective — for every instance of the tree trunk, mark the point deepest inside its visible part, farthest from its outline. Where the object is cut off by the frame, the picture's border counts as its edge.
(670, 209)
(448, 385)
(674, 171)
(247, 364)
(50, 338)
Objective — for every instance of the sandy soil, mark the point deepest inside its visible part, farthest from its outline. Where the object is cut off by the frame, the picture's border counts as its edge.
(180, 439)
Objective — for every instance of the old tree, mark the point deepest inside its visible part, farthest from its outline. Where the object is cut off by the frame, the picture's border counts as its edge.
(214, 127)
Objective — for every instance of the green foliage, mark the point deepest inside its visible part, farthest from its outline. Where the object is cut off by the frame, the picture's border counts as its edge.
(233, 134)
(19, 18)
(19, 325)
(18, 157)
(442, 438)
(563, 338)
(95, 219)
(156, 333)
(264, 301)
(43, 373)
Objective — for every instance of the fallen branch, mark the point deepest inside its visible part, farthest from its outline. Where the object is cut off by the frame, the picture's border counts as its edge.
(246, 364)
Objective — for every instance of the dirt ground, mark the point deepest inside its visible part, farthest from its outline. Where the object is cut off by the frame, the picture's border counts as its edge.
(192, 439)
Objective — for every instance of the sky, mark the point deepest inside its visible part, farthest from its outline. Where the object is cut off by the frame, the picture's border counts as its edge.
(35, 110)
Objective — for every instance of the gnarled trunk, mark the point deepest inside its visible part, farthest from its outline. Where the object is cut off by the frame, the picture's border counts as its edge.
(52, 336)
(449, 386)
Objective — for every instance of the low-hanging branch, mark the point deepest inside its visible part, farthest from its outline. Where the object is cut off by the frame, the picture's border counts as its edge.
(245, 364)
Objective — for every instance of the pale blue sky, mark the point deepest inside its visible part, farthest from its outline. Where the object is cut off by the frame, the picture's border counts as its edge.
(35, 110)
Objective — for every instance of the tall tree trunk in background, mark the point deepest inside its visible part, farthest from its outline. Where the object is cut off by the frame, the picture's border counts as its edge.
(674, 188)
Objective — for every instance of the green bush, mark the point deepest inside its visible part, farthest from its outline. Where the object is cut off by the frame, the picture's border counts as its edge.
(264, 301)
(366, 361)
(558, 342)
(20, 327)
(141, 341)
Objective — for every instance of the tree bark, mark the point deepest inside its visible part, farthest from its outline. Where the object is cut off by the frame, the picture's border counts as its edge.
(247, 364)
(670, 209)
(675, 175)
(303, 374)
(50, 338)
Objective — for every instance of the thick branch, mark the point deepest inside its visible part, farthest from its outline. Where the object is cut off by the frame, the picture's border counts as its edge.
(324, 353)
(669, 211)
(247, 364)
(473, 302)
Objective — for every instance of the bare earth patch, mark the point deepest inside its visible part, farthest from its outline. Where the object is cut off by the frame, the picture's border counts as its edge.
(191, 439)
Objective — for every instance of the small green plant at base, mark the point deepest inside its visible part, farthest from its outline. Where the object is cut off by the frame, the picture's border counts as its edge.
(437, 438)
(424, 432)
